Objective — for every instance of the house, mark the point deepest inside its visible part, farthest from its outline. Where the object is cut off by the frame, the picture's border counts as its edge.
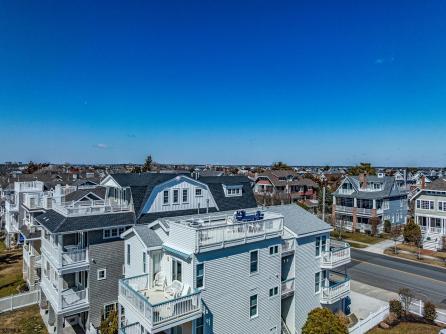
(223, 272)
(286, 185)
(360, 198)
(430, 213)
(82, 256)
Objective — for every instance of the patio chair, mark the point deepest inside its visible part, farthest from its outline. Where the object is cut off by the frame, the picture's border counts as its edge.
(174, 289)
(160, 281)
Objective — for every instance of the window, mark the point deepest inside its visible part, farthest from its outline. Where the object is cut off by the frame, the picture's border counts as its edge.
(274, 291)
(273, 250)
(324, 243)
(175, 198)
(200, 275)
(198, 192)
(233, 190)
(102, 274)
(166, 197)
(128, 254)
(185, 196)
(176, 270)
(425, 205)
(441, 206)
(144, 262)
(106, 234)
(253, 311)
(114, 232)
(386, 204)
(121, 230)
(199, 326)
(109, 308)
(254, 262)
(317, 282)
(318, 246)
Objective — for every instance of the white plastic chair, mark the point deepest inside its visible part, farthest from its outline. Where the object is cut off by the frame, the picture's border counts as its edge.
(160, 281)
(173, 289)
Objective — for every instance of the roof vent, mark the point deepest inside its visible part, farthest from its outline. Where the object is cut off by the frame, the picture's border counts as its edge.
(381, 175)
(196, 224)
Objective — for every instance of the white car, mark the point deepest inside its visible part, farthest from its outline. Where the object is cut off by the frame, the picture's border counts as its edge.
(443, 331)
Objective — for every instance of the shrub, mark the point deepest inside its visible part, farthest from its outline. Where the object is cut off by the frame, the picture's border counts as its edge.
(392, 319)
(412, 232)
(395, 307)
(429, 312)
(323, 321)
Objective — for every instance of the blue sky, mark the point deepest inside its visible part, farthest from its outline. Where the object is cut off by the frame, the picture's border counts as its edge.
(306, 82)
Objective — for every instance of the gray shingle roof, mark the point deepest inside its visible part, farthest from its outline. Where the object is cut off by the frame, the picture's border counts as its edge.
(299, 220)
(390, 188)
(57, 223)
(78, 194)
(148, 236)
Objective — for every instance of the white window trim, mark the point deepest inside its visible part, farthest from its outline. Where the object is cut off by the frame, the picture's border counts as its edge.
(201, 192)
(168, 197)
(258, 262)
(105, 274)
(182, 196)
(275, 294)
(173, 196)
(196, 276)
(274, 253)
(257, 306)
(238, 187)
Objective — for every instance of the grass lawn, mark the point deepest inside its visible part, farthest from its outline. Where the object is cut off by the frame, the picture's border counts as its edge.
(412, 256)
(407, 328)
(359, 237)
(23, 321)
(10, 270)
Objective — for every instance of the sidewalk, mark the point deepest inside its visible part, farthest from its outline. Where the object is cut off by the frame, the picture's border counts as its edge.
(379, 247)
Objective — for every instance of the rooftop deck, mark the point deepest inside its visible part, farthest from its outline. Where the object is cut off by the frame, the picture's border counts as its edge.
(80, 208)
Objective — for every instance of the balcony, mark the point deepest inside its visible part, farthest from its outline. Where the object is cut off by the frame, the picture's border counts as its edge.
(70, 209)
(11, 206)
(157, 310)
(28, 186)
(431, 229)
(68, 300)
(70, 258)
(287, 288)
(335, 288)
(337, 255)
(131, 329)
(364, 211)
(342, 208)
(287, 247)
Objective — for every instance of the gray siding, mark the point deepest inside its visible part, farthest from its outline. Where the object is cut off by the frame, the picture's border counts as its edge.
(228, 286)
(109, 255)
(307, 264)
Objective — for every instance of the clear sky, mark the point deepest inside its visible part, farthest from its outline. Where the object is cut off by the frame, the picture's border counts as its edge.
(306, 82)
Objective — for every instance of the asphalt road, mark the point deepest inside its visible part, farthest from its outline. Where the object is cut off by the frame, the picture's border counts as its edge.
(391, 274)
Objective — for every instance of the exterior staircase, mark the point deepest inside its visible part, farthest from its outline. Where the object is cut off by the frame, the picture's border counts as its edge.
(284, 327)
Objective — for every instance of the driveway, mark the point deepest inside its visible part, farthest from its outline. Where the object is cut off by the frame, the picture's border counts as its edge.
(379, 247)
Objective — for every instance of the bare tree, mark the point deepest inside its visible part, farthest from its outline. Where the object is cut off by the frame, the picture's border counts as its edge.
(406, 297)
(395, 232)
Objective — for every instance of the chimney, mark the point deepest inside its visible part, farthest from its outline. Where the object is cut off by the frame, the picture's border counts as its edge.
(363, 180)
(423, 182)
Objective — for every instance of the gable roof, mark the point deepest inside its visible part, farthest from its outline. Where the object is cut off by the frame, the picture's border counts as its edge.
(58, 223)
(297, 180)
(299, 220)
(81, 193)
(148, 236)
(438, 184)
(390, 188)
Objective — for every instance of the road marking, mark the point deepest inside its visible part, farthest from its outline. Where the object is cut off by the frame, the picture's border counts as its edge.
(398, 270)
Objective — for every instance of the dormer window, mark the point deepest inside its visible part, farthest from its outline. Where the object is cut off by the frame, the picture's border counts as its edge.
(233, 190)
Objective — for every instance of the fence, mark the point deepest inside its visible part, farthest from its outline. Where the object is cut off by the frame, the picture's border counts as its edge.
(14, 302)
(416, 307)
(371, 321)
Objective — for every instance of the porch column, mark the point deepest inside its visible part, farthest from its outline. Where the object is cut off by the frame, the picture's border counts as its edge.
(374, 204)
(60, 247)
(59, 290)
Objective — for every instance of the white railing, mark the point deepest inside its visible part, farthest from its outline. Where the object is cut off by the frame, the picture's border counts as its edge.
(160, 313)
(368, 227)
(14, 302)
(364, 211)
(131, 329)
(337, 255)
(11, 206)
(208, 236)
(287, 287)
(346, 191)
(28, 186)
(336, 290)
(91, 207)
(66, 258)
(287, 246)
(72, 298)
(342, 208)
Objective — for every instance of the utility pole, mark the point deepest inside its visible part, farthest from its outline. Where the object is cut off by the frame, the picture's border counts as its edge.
(323, 202)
